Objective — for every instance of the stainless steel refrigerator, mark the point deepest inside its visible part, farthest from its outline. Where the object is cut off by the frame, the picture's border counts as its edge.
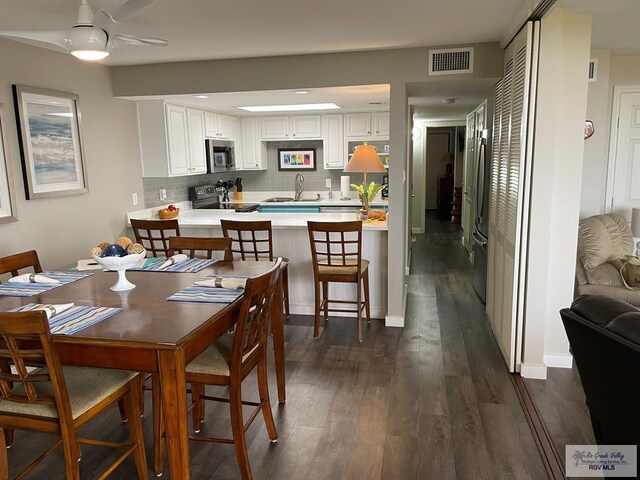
(481, 230)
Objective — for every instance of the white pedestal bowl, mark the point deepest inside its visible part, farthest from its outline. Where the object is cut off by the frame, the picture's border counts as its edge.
(121, 265)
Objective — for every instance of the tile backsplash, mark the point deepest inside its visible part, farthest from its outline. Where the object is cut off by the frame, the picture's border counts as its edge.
(254, 181)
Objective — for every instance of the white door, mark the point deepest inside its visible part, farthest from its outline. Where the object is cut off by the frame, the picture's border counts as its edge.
(210, 124)
(626, 164)
(380, 124)
(176, 117)
(275, 128)
(333, 144)
(306, 126)
(468, 184)
(196, 147)
(358, 125)
(223, 126)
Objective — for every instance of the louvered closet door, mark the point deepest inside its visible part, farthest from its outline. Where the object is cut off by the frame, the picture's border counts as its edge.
(510, 186)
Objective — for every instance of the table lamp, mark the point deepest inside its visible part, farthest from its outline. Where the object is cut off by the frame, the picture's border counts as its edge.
(365, 160)
(635, 228)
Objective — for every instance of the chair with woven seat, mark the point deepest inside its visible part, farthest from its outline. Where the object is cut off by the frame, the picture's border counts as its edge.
(154, 234)
(254, 241)
(336, 249)
(208, 245)
(60, 400)
(14, 263)
(228, 362)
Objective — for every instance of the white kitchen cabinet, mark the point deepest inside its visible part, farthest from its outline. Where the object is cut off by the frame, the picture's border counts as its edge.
(171, 139)
(254, 150)
(333, 144)
(216, 125)
(235, 135)
(365, 125)
(292, 127)
(195, 144)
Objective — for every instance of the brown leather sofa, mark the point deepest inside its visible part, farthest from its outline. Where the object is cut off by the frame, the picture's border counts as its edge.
(604, 334)
(603, 240)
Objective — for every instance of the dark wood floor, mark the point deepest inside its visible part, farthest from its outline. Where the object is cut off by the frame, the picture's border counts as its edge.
(430, 401)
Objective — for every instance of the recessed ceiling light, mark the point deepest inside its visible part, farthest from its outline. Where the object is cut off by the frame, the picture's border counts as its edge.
(291, 108)
(301, 92)
(201, 96)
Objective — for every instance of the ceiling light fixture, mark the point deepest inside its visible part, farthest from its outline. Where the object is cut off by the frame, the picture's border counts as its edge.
(201, 96)
(290, 108)
(301, 92)
(448, 101)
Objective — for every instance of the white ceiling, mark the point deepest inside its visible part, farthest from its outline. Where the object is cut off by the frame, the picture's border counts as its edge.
(207, 29)
(426, 98)
(357, 98)
(614, 23)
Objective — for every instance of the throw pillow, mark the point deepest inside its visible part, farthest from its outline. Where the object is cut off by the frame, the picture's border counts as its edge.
(630, 272)
(605, 274)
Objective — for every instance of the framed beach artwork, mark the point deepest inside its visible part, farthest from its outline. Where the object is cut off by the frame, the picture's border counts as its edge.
(296, 159)
(7, 195)
(50, 138)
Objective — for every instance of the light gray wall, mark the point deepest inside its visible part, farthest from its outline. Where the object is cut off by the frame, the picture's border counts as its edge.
(64, 229)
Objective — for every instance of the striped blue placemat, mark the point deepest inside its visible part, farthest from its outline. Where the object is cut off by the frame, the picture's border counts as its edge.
(31, 289)
(75, 319)
(205, 295)
(193, 265)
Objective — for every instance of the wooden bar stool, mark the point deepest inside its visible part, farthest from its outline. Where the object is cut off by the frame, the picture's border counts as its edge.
(153, 233)
(253, 241)
(336, 254)
(59, 400)
(227, 362)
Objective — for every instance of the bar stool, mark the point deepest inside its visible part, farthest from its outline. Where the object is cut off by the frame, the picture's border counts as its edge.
(248, 241)
(149, 233)
(336, 254)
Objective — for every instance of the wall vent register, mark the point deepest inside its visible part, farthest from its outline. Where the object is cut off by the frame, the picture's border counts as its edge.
(451, 61)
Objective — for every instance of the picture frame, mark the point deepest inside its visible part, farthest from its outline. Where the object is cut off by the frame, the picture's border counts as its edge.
(297, 159)
(8, 208)
(50, 139)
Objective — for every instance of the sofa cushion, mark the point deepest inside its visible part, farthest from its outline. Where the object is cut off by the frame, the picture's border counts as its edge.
(627, 325)
(605, 274)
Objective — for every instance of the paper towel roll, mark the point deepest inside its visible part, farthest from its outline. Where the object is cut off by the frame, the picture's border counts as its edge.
(345, 186)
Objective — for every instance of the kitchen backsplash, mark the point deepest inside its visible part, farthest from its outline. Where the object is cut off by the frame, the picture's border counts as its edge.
(253, 181)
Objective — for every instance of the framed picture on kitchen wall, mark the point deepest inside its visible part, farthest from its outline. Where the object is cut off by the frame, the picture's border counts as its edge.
(7, 193)
(296, 159)
(50, 137)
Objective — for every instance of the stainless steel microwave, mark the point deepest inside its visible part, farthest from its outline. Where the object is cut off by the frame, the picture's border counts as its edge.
(220, 156)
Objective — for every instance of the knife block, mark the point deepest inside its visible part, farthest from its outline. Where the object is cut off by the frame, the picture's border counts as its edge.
(237, 195)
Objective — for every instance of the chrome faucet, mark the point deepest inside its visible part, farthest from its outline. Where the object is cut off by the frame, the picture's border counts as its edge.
(299, 182)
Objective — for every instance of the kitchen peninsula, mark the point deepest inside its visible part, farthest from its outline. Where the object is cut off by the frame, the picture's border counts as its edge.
(291, 240)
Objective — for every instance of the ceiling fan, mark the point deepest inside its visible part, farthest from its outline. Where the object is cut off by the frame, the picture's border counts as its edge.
(93, 36)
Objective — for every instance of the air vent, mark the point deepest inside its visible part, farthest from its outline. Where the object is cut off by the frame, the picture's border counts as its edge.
(450, 61)
(593, 70)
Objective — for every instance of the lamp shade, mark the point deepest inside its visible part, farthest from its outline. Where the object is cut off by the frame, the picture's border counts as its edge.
(635, 222)
(365, 160)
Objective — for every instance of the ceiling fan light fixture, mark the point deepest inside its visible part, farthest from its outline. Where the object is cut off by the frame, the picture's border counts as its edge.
(90, 55)
(88, 43)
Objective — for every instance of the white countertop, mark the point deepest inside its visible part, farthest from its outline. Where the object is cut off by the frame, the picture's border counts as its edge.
(189, 218)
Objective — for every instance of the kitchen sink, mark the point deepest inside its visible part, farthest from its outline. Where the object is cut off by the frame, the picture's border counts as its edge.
(279, 199)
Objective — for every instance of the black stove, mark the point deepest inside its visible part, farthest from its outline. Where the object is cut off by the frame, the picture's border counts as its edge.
(208, 197)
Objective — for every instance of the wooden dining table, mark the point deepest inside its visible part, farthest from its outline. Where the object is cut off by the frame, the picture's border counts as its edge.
(154, 335)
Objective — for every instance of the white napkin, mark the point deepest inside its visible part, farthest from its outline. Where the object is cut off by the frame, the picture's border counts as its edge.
(219, 282)
(51, 310)
(177, 258)
(32, 278)
(89, 264)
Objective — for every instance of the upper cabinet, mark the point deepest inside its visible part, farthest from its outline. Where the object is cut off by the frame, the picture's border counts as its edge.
(253, 149)
(333, 145)
(292, 127)
(171, 139)
(216, 125)
(364, 125)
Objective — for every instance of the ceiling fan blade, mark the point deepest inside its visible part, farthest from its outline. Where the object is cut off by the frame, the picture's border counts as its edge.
(121, 39)
(52, 37)
(123, 9)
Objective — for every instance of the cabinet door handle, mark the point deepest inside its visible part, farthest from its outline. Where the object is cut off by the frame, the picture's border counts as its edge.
(294, 134)
(368, 131)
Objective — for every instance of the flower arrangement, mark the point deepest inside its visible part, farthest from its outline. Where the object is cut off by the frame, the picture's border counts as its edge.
(367, 194)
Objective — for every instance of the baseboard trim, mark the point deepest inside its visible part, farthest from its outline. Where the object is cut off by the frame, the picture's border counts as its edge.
(550, 458)
(559, 361)
(535, 371)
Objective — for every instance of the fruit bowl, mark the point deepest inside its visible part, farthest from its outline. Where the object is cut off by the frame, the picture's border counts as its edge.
(120, 265)
(167, 214)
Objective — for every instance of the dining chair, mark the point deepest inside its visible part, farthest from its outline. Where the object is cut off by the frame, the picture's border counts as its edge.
(254, 241)
(59, 400)
(154, 234)
(336, 254)
(191, 245)
(227, 362)
(13, 263)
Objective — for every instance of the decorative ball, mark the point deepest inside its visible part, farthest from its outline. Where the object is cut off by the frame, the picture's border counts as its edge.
(135, 248)
(103, 245)
(113, 250)
(96, 251)
(124, 242)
